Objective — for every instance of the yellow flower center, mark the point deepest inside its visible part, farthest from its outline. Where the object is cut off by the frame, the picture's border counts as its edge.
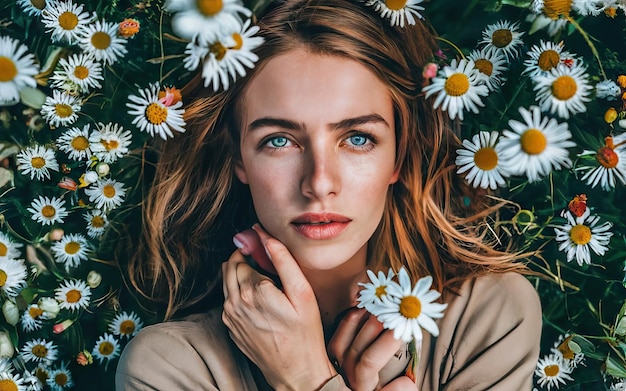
(72, 247)
(218, 50)
(40, 5)
(40, 351)
(457, 84)
(238, 41)
(3, 278)
(80, 143)
(127, 327)
(35, 312)
(565, 349)
(486, 158)
(533, 141)
(381, 291)
(68, 20)
(108, 191)
(8, 385)
(395, 5)
(8, 70)
(555, 8)
(548, 59)
(484, 66)
(63, 110)
(48, 211)
(105, 348)
(38, 162)
(564, 87)
(3, 250)
(607, 157)
(60, 379)
(209, 7)
(156, 114)
(73, 296)
(81, 72)
(410, 307)
(621, 80)
(501, 38)
(41, 374)
(101, 40)
(97, 222)
(110, 144)
(551, 370)
(580, 234)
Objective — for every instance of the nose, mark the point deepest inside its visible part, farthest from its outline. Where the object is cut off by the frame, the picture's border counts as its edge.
(321, 177)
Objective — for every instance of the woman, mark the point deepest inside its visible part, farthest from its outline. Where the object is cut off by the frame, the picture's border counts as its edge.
(328, 144)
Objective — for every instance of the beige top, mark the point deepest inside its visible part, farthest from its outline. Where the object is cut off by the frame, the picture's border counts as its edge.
(489, 340)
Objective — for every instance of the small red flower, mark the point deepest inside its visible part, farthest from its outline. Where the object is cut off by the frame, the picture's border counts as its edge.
(578, 205)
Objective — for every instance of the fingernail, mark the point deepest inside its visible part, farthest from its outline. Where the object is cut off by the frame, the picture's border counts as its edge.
(239, 242)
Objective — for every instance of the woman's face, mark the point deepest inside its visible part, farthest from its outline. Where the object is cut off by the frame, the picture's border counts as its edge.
(318, 152)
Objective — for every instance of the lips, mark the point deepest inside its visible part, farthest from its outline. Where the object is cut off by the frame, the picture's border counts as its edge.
(320, 226)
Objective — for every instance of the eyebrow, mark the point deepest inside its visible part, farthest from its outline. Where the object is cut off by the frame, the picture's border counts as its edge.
(293, 125)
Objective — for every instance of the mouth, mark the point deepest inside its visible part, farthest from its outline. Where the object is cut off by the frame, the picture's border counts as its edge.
(320, 226)
(320, 218)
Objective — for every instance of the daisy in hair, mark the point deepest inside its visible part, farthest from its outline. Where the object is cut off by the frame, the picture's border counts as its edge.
(503, 37)
(71, 250)
(39, 350)
(546, 56)
(73, 295)
(397, 11)
(37, 161)
(13, 275)
(491, 64)
(374, 290)
(17, 70)
(406, 309)
(458, 87)
(75, 142)
(611, 168)
(536, 146)
(564, 90)
(126, 325)
(48, 211)
(109, 142)
(97, 223)
(481, 160)
(107, 348)
(65, 20)
(581, 234)
(156, 115)
(107, 194)
(8, 248)
(61, 109)
(551, 371)
(100, 40)
(78, 73)
(205, 19)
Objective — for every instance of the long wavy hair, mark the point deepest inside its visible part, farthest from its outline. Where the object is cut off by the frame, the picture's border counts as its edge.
(195, 204)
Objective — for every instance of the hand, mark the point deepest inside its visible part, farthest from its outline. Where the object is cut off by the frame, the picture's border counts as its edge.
(362, 348)
(280, 331)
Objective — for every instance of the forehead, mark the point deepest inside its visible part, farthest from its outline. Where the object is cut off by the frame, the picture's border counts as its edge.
(314, 88)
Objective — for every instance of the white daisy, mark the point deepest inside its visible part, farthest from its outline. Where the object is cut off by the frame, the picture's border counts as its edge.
(101, 40)
(11, 381)
(491, 65)
(153, 115)
(611, 159)
(126, 325)
(551, 370)
(17, 68)
(12, 276)
(195, 53)
(205, 19)
(580, 234)
(481, 157)
(536, 146)
(107, 348)
(569, 351)
(78, 72)
(109, 142)
(73, 294)
(458, 87)
(32, 7)
(106, 193)
(65, 20)
(60, 378)
(374, 290)
(32, 318)
(97, 223)
(42, 372)
(60, 109)
(563, 90)
(407, 308)
(75, 142)
(39, 351)
(589, 7)
(397, 11)
(607, 89)
(545, 57)
(71, 250)
(8, 248)
(503, 37)
(619, 385)
(37, 161)
(31, 382)
(48, 211)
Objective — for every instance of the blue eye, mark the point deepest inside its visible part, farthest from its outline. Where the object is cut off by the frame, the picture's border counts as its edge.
(358, 140)
(278, 142)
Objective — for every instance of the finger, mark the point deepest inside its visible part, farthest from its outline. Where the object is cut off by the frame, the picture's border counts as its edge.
(295, 285)
(254, 287)
(345, 333)
(249, 242)
(403, 383)
(377, 355)
(366, 336)
(230, 285)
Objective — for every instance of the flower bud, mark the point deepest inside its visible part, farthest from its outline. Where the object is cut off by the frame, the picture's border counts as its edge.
(622, 123)
(84, 358)
(6, 346)
(50, 307)
(91, 177)
(56, 234)
(93, 279)
(103, 169)
(11, 312)
(610, 115)
(61, 327)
